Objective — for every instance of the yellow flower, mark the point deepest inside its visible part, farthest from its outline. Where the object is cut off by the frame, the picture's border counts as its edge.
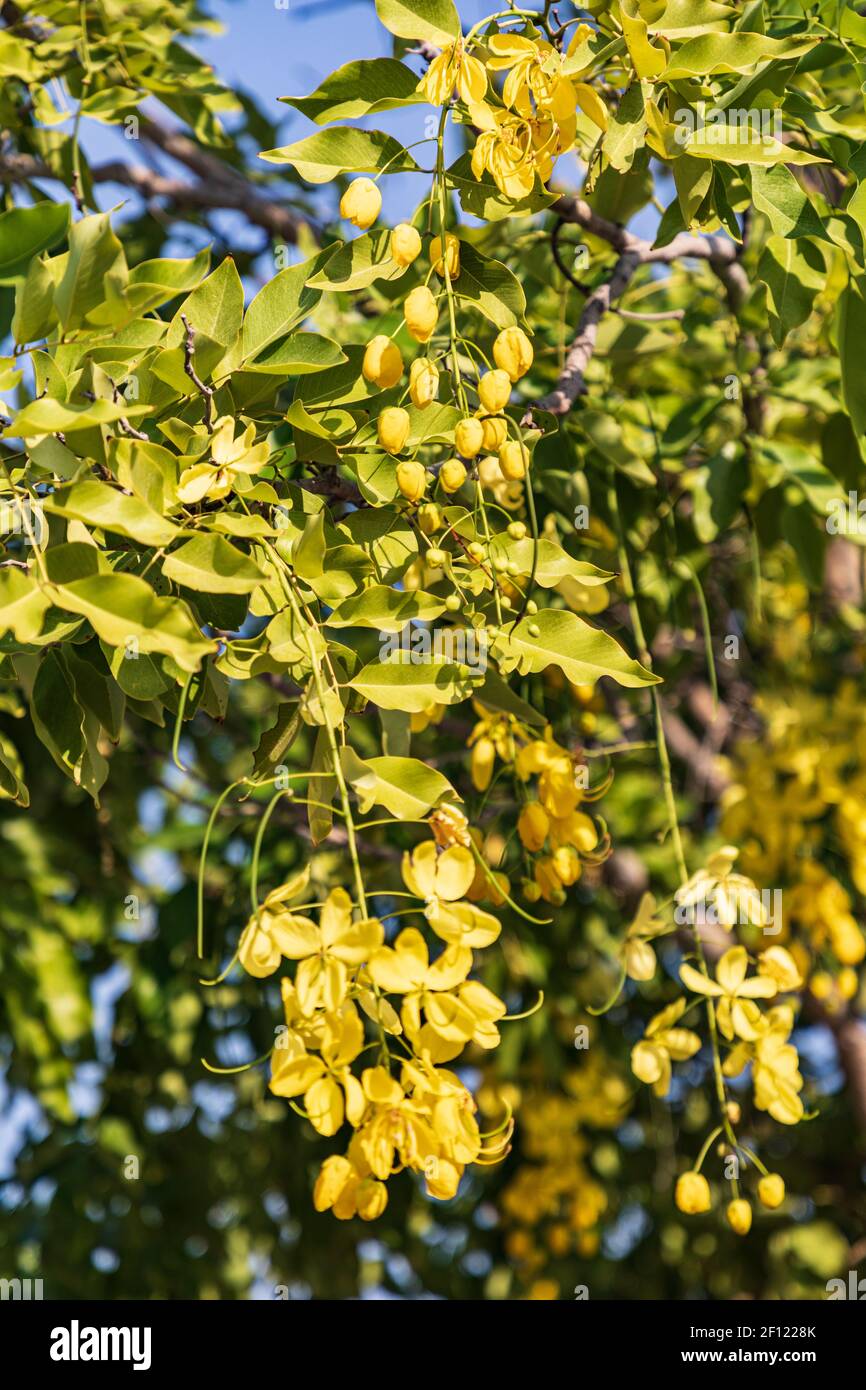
(423, 382)
(412, 480)
(469, 437)
(344, 1185)
(771, 1190)
(692, 1194)
(421, 313)
(504, 148)
(512, 352)
(448, 824)
(451, 261)
(331, 1092)
(775, 1071)
(451, 68)
(452, 475)
(739, 1215)
(232, 457)
(393, 428)
(383, 363)
(637, 955)
(482, 763)
(779, 965)
(737, 1014)
(661, 1044)
(443, 880)
(361, 203)
(495, 434)
(327, 950)
(405, 244)
(533, 824)
(731, 897)
(533, 75)
(494, 391)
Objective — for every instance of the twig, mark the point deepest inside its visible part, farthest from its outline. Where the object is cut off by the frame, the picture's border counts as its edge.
(189, 367)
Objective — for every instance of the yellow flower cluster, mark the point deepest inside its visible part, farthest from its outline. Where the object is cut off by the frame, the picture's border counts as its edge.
(533, 119)
(797, 800)
(406, 1111)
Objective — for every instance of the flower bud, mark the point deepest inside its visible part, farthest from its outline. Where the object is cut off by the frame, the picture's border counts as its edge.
(423, 382)
(494, 391)
(692, 1193)
(405, 244)
(435, 557)
(739, 1215)
(469, 437)
(530, 890)
(566, 862)
(429, 518)
(393, 428)
(481, 764)
(771, 1190)
(512, 351)
(452, 255)
(371, 1198)
(334, 1174)
(452, 475)
(383, 363)
(495, 432)
(513, 460)
(421, 312)
(412, 480)
(517, 531)
(533, 824)
(361, 203)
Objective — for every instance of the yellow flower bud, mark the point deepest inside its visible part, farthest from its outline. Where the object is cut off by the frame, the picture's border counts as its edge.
(405, 243)
(412, 480)
(533, 824)
(739, 1215)
(383, 363)
(421, 312)
(372, 1199)
(483, 758)
(429, 518)
(469, 437)
(452, 255)
(452, 475)
(771, 1190)
(494, 391)
(530, 890)
(512, 351)
(549, 882)
(393, 428)
(334, 1174)
(517, 531)
(692, 1193)
(495, 432)
(513, 460)
(566, 862)
(361, 203)
(423, 382)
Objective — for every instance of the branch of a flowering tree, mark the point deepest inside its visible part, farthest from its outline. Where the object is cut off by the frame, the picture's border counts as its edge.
(633, 251)
(329, 484)
(208, 194)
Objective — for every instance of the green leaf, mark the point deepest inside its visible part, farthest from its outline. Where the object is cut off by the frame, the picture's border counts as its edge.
(27, 232)
(297, 354)
(413, 685)
(215, 308)
(851, 335)
(728, 144)
(359, 263)
(625, 133)
(436, 21)
(716, 53)
(152, 283)
(778, 195)
(23, 605)
(12, 784)
(275, 742)
(361, 88)
(822, 491)
(124, 610)
(794, 273)
(214, 566)
(490, 287)
(558, 638)
(282, 304)
(386, 609)
(406, 787)
(483, 199)
(553, 564)
(95, 273)
(329, 153)
(97, 504)
(49, 416)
